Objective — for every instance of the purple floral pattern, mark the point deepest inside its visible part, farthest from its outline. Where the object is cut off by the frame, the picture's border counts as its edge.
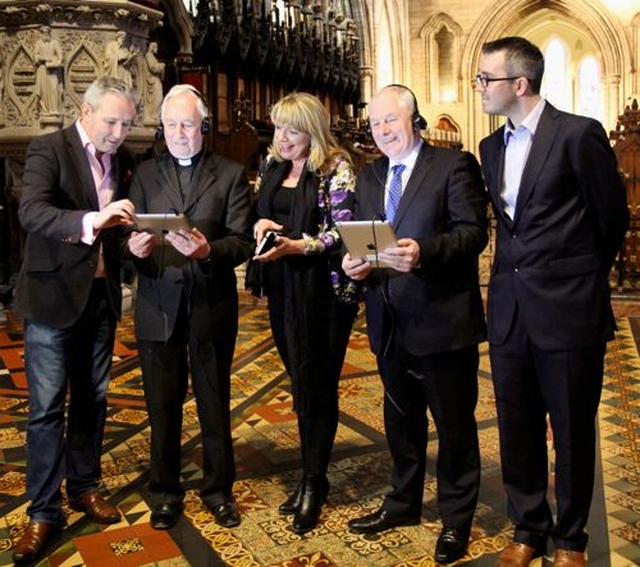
(336, 202)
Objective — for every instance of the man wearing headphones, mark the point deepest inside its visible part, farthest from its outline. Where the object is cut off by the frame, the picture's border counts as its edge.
(424, 315)
(186, 308)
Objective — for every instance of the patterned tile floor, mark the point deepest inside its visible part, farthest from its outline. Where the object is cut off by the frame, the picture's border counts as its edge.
(265, 437)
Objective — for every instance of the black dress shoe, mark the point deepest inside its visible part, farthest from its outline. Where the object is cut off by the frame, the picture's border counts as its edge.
(164, 516)
(451, 546)
(226, 514)
(380, 521)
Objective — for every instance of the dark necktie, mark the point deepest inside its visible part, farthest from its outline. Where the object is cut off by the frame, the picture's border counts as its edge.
(395, 192)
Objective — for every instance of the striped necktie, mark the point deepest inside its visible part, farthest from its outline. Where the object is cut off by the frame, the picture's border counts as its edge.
(395, 192)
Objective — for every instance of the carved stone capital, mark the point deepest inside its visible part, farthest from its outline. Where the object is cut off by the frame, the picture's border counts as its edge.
(74, 13)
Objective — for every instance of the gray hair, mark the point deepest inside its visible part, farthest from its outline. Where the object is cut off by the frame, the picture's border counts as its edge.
(105, 85)
(186, 88)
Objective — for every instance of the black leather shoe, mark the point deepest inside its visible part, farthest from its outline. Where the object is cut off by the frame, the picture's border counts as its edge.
(291, 504)
(314, 495)
(451, 546)
(380, 521)
(226, 514)
(164, 516)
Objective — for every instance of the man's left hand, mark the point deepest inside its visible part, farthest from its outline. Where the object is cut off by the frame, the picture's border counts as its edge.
(404, 257)
(191, 243)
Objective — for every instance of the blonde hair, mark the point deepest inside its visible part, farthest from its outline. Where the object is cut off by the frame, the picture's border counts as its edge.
(307, 114)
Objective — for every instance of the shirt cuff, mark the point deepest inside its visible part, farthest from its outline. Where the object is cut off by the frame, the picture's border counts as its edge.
(88, 235)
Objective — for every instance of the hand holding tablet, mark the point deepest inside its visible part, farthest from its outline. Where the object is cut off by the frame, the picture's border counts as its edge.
(161, 223)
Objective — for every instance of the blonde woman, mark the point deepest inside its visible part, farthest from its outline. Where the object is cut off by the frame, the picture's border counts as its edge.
(306, 184)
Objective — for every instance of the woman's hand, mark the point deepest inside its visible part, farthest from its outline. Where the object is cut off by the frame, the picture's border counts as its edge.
(284, 246)
(263, 226)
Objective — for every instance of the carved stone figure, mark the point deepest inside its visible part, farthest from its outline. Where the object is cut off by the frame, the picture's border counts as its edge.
(48, 57)
(118, 59)
(153, 93)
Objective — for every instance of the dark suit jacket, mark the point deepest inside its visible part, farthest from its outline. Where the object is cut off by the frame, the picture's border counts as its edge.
(219, 205)
(57, 271)
(438, 306)
(552, 261)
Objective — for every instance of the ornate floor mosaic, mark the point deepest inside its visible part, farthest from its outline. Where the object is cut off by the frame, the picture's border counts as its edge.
(266, 444)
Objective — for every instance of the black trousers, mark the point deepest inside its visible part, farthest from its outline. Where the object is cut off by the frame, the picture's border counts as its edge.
(447, 385)
(165, 371)
(313, 355)
(531, 383)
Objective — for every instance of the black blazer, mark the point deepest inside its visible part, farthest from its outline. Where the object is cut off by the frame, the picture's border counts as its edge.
(553, 260)
(438, 306)
(219, 205)
(57, 270)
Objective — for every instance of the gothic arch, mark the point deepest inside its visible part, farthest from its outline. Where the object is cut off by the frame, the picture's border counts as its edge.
(447, 123)
(506, 16)
(428, 34)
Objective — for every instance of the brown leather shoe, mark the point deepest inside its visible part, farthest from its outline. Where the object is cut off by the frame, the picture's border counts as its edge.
(517, 555)
(569, 558)
(34, 541)
(97, 508)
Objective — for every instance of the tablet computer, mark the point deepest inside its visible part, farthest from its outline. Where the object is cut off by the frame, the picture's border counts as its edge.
(161, 223)
(364, 239)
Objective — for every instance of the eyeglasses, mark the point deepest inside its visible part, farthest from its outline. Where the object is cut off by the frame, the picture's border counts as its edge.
(483, 81)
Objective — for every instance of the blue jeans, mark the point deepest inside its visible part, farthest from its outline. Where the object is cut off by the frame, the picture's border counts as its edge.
(77, 360)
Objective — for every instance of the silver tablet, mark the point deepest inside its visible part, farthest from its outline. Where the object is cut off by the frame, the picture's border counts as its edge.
(161, 223)
(365, 239)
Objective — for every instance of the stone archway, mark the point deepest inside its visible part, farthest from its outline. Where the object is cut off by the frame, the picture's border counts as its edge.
(505, 18)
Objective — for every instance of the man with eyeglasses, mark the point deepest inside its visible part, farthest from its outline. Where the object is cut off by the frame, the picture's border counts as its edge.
(561, 213)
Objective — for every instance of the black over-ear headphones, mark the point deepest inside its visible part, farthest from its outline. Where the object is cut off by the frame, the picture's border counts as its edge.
(419, 121)
(205, 126)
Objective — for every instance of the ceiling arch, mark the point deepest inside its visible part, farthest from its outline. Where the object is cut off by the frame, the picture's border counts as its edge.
(605, 31)
(506, 17)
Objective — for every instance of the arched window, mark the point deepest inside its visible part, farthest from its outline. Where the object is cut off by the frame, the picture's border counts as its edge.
(589, 99)
(444, 64)
(556, 82)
